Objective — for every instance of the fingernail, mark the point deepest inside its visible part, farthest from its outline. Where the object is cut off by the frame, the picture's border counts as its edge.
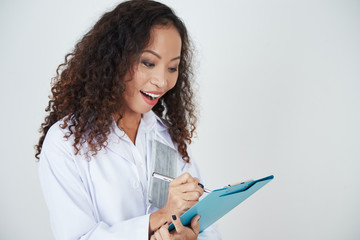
(165, 223)
(173, 217)
(202, 186)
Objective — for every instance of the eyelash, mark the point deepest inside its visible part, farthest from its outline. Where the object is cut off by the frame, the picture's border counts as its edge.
(149, 64)
(173, 69)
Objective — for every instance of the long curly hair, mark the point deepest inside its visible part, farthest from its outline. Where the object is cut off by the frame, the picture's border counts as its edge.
(89, 85)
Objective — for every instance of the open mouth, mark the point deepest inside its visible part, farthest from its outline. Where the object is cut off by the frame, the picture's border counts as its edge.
(150, 96)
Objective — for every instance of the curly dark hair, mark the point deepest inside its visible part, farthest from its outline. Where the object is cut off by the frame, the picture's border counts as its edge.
(89, 85)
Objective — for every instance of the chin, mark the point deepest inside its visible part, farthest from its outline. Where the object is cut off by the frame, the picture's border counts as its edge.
(143, 110)
(146, 111)
(140, 107)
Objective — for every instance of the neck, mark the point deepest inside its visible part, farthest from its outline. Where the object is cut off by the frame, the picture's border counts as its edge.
(129, 123)
(130, 120)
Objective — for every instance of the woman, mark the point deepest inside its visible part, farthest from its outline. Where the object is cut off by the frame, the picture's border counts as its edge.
(121, 95)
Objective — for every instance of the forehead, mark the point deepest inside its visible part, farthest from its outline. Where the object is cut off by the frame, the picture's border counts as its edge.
(165, 39)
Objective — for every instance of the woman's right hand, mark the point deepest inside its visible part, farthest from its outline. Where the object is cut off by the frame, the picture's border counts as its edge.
(184, 192)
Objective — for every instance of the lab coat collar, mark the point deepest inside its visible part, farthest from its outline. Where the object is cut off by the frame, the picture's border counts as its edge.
(147, 123)
(154, 127)
(150, 122)
(162, 134)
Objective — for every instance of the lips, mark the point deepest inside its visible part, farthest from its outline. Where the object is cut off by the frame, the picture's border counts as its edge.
(150, 97)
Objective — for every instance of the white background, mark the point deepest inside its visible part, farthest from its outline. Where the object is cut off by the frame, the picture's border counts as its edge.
(279, 94)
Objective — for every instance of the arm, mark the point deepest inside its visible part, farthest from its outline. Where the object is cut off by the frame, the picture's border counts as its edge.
(71, 208)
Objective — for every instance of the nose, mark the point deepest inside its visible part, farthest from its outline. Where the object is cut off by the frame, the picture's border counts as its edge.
(159, 79)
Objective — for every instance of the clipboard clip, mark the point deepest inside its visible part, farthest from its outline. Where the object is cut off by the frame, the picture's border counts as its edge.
(231, 185)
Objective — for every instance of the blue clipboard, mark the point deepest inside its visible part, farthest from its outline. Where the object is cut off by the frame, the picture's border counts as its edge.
(221, 201)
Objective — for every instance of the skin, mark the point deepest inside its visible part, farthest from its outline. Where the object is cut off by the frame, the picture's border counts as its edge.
(180, 233)
(184, 192)
(157, 71)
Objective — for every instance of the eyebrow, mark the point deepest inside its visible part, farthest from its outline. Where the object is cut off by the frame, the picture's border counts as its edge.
(158, 56)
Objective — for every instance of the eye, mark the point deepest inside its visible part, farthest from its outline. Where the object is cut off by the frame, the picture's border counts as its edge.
(147, 63)
(173, 69)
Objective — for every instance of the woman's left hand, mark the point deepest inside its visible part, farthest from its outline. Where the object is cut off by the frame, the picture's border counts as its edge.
(181, 232)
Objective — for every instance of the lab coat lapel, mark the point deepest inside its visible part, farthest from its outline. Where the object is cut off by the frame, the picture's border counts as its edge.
(118, 141)
(163, 136)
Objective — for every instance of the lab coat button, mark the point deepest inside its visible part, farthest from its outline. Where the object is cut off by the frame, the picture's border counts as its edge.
(136, 185)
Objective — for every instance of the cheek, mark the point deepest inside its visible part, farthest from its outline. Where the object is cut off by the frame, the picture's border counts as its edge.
(140, 79)
(129, 88)
(172, 82)
(134, 85)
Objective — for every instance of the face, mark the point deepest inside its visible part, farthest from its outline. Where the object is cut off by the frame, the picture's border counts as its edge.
(156, 72)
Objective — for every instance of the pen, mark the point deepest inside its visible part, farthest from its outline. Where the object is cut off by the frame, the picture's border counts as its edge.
(169, 179)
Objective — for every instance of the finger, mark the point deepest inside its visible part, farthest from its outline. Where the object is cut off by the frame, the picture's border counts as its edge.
(164, 232)
(193, 186)
(195, 224)
(190, 196)
(157, 235)
(201, 186)
(196, 179)
(190, 187)
(177, 223)
(152, 237)
(184, 205)
(183, 178)
(199, 183)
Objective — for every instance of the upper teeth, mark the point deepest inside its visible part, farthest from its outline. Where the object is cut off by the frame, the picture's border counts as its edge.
(151, 94)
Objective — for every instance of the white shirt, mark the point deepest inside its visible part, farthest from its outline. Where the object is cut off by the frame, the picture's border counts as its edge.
(104, 197)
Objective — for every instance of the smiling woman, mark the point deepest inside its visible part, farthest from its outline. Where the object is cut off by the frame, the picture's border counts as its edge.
(123, 91)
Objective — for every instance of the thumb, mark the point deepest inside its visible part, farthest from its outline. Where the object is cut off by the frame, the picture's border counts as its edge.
(177, 223)
(195, 224)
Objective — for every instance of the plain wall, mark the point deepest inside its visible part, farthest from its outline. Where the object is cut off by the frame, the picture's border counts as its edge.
(279, 85)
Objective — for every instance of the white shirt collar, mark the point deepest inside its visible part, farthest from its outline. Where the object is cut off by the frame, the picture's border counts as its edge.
(148, 122)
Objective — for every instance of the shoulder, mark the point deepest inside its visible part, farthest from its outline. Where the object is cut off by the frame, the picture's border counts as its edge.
(56, 142)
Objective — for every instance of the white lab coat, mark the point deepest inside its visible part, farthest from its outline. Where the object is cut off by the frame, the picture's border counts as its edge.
(104, 198)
